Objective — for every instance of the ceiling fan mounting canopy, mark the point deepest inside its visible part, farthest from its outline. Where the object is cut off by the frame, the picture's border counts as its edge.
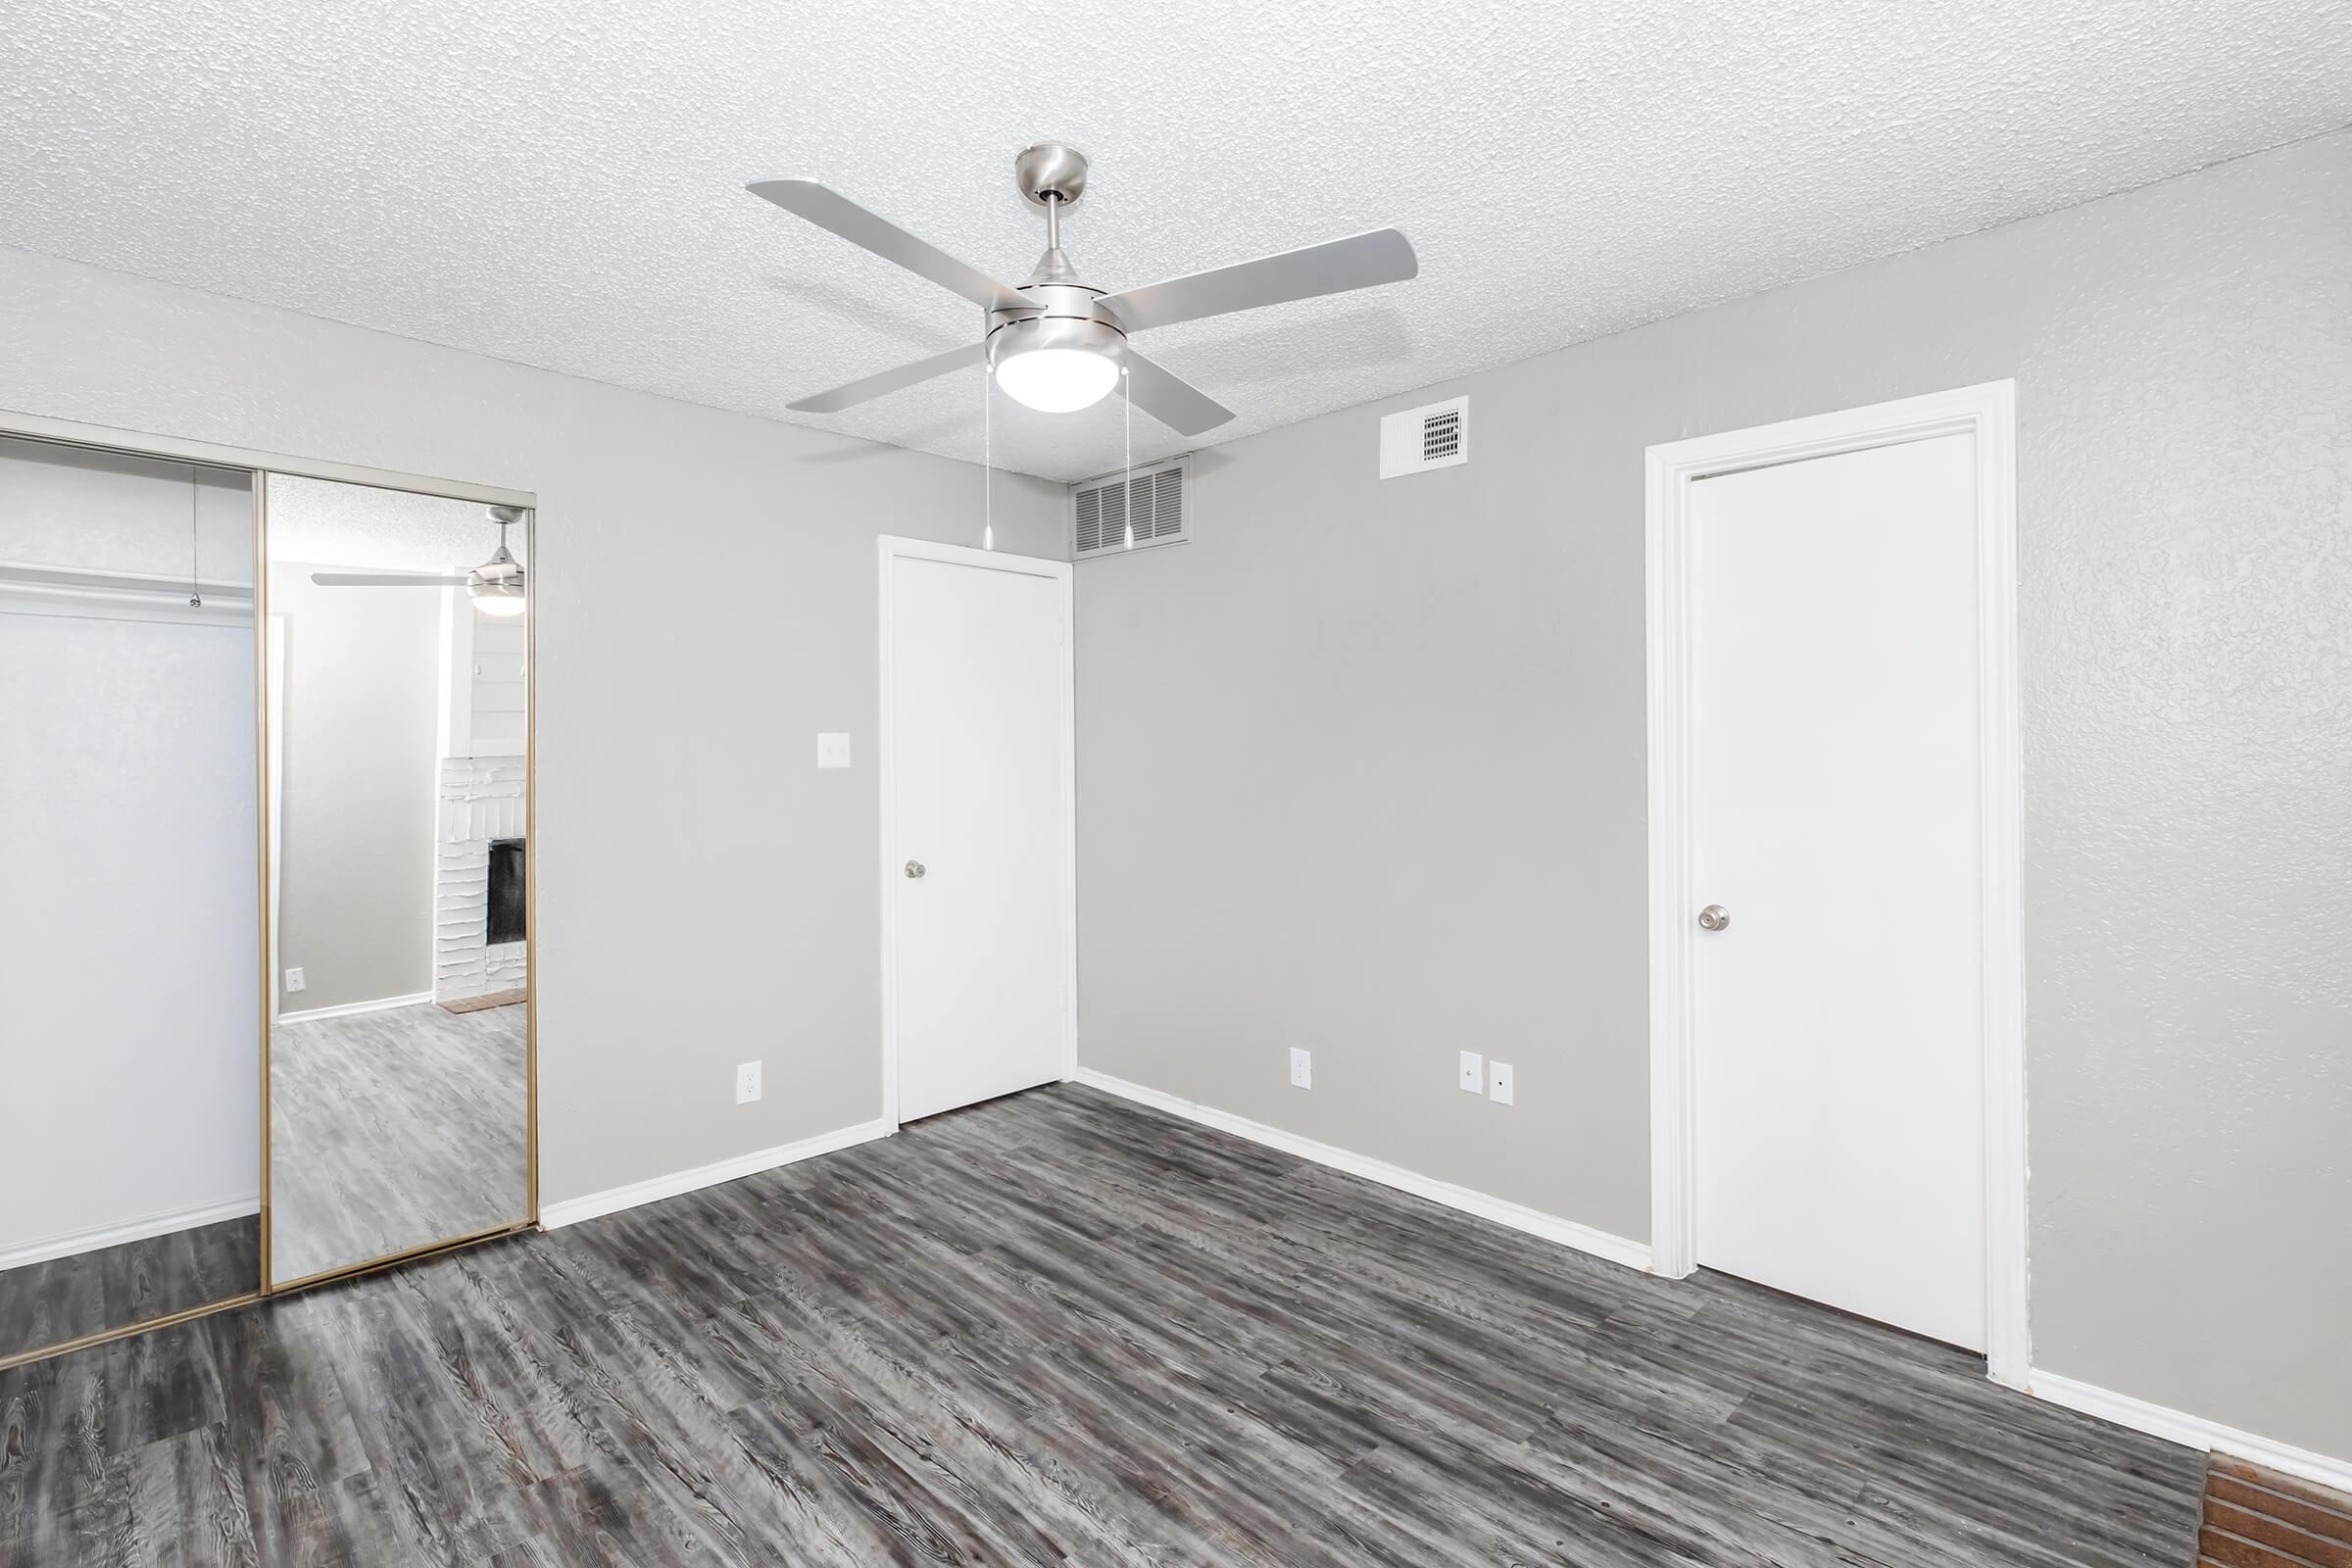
(1058, 343)
(1050, 173)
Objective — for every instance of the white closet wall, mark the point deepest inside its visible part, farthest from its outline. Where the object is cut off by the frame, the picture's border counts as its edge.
(128, 929)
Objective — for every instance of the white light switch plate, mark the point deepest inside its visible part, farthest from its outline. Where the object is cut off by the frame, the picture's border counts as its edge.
(1303, 1068)
(1498, 1082)
(832, 751)
(1473, 1077)
(747, 1083)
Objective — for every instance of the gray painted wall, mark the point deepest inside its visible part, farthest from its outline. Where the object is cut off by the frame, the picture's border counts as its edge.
(1362, 768)
(705, 894)
(361, 756)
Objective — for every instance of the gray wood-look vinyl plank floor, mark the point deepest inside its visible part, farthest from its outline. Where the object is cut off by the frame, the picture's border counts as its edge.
(393, 1130)
(1056, 1329)
(65, 1298)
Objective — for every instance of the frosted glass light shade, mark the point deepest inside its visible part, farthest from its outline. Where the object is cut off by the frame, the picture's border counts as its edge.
(1057, 380)
(497, 598)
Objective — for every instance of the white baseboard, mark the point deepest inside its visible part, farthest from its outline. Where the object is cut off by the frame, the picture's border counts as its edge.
(348, 1008)
(72, 1244)
(1502, 1212)
(2190, 1430)
(611, 1201)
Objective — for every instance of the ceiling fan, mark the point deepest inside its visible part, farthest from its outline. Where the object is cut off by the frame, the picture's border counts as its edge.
(495, 586)
(1058, 343)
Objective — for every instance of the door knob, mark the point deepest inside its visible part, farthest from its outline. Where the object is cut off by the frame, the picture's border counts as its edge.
(1714, 918)
(915, 868)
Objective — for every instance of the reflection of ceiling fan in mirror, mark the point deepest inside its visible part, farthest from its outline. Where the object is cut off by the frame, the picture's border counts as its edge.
(495, 586)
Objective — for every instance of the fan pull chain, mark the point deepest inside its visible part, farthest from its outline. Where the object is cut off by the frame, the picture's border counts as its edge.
(195, 545)
(988, 459)
(1127, 476)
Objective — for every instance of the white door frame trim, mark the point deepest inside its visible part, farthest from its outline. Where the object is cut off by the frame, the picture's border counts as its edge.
(1989, 413)
(889, 548)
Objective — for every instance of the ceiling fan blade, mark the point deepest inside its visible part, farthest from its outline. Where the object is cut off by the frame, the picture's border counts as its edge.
(385, 580)
(1383, 256)
(1169, 398)
(830, 210)
(873, 386)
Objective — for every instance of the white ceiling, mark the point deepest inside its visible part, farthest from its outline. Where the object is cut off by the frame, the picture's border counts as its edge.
(558, 182)
(324, 523)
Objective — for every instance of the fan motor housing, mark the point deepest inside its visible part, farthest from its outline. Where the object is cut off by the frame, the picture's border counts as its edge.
(1067, 316)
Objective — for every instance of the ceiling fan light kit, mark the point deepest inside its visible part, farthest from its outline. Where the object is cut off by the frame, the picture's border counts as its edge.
(1055, 380)
(503, 599)
(1058, 343)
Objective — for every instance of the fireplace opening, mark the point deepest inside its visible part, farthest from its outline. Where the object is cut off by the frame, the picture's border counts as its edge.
(508, 903)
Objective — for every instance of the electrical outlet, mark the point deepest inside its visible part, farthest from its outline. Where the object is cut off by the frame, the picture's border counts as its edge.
(1303, 1068)
(294, 979)
(832, 751)
(1473, 1076)
(1498, 1082)
(747, 1083)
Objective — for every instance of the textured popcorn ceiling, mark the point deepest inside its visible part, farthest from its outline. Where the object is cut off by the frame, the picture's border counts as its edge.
(560, 183)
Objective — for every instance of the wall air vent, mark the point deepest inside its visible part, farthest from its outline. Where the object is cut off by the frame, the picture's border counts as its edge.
(1129, 511)
(1436, 436)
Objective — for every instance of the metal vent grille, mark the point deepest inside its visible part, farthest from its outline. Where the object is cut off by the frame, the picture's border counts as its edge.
(1436, 436)
(1441, 435)
(1128, 510)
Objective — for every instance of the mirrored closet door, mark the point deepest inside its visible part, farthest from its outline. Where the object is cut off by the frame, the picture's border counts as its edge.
(130, 920)
(397, 629)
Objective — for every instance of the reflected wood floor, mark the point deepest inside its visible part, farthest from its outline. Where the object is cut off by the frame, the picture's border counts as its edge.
(393, 1130)
(2257, 1518)
(67, 1297)
(1058, 1329)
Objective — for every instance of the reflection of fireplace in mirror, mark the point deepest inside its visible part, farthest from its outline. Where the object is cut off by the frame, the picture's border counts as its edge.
(506, 882)
(480, 952)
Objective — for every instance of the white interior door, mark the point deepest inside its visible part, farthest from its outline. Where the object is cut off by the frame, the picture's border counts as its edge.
(978, 825)
(1833, 773)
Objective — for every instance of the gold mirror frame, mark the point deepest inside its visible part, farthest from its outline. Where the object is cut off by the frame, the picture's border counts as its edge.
(258, 467)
